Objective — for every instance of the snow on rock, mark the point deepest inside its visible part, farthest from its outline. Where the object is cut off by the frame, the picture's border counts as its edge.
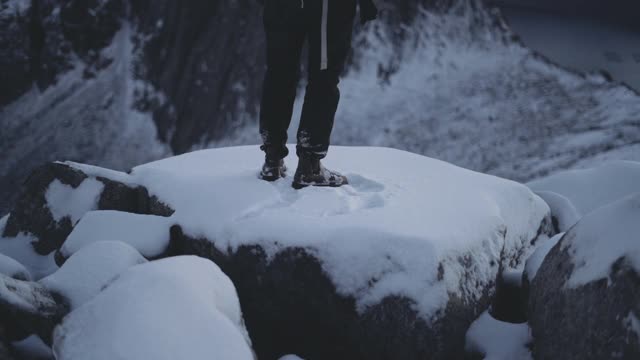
(535, 260)
(589, 189)
(177, 308)
(148, 234)
(57, 195)
(603, 238)
(12, 268)
(564, 213)
(19, 248)
(403, 217)
(587, 285)
(408, 227)
(90, 269)
(497, 340)
(413, 243)
(63, 200)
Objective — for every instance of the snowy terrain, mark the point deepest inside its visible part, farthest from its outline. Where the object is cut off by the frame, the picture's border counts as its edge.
(407, 225)
(453, 86)
(92, 120)
(398, 221)
(462, 91)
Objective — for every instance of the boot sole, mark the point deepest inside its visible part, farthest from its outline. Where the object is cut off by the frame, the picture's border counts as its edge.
(299, 186)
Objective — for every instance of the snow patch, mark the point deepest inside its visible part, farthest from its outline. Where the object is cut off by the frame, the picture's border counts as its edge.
(403, 218)
(632, 323)
(177, 308)
(89, 270)
(603, 237)
(20, 249)
(498, 340)
(65, 201)
(148, 234)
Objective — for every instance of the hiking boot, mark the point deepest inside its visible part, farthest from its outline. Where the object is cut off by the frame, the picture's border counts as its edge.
(273, 170)
(310, 172)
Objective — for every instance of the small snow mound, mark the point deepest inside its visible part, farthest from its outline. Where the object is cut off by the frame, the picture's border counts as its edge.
(498, 340)
(148, 234)
(177, 308)
(12, 268)
(590, 189)
(89, 270)
(602, 238)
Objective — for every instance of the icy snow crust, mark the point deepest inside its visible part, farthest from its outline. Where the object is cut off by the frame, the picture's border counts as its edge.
(402, 217)
(603, 237)
(177, 308)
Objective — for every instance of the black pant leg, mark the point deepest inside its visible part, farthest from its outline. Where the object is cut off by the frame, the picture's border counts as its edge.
(322, 95)
(285, 34)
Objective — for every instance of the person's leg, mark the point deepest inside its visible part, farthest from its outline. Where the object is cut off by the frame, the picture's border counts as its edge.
(285, 35)
(330, 25)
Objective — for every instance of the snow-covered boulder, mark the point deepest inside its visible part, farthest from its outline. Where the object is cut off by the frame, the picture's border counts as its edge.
(57, 195)
(584, 299)
(575, 193)
(149, 234)
(92, 268)
(28, 308)
(411, 248)
(178, 308)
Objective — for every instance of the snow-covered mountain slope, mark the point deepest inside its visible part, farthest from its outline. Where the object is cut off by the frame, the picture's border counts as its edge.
(449, 83)
(80, 106)
(458, 88)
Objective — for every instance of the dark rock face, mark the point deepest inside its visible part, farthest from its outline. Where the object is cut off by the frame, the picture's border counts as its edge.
(32, 214)
(38, 43)
(291, 306)
(37, 312)
(207, 57)
(587, 322)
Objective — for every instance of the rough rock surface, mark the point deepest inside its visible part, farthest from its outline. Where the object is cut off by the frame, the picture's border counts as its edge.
(29, 308)
(313, 320)
(592, 316)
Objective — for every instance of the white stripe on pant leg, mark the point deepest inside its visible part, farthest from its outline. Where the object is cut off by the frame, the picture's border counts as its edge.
(324, 61)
